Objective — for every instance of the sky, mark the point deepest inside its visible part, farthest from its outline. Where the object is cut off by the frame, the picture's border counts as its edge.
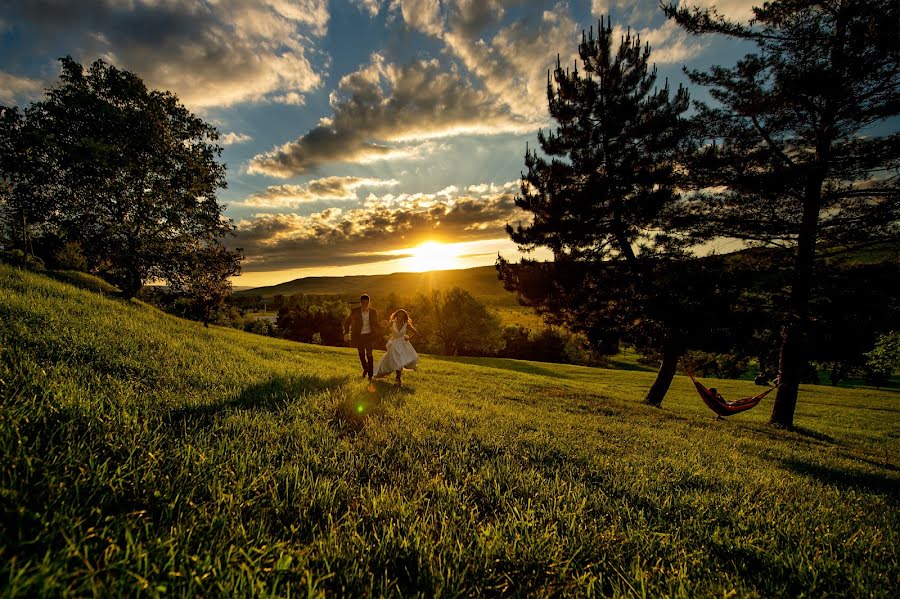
(360, 136)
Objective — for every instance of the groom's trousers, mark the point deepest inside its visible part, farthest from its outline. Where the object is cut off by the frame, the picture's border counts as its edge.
(366, 358)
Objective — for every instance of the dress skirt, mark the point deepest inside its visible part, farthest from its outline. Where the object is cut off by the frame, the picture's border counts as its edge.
(400, 354)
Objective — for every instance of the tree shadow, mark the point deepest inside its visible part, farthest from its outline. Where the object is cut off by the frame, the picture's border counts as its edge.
(846, 478)
(506, 364)
(271, 395)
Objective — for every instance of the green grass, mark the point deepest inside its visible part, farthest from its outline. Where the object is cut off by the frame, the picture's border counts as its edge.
(143, 454)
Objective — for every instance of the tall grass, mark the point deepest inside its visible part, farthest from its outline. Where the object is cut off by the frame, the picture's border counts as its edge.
(143, 454)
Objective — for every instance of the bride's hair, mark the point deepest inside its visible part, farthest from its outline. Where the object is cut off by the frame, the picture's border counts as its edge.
(403, 316)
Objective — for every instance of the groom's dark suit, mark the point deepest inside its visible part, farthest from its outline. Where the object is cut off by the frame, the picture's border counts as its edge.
(363, 341)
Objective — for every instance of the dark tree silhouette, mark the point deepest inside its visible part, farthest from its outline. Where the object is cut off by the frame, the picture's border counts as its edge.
(133, 174)
(611, 169)
(203, 275)
(25, 179)
(800, 159)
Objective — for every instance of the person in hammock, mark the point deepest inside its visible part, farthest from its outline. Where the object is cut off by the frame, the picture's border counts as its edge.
(400, 353)
(716, 394)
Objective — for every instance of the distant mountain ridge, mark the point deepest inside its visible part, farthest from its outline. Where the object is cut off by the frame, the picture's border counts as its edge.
(480, 281)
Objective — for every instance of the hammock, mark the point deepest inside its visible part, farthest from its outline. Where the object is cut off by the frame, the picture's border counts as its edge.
(717, 403)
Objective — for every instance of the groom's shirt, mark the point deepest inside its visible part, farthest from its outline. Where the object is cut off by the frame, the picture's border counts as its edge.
(366, 327)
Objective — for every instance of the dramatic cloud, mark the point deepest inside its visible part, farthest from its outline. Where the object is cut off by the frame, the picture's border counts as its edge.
(375, 232)
(13, 89)
(210, 54)
(513, 64)
(381, 108)
(231, 138)
(329, 188)
(669, 43)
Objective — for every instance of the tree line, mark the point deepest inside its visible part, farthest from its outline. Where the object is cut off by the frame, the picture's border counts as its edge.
(451, 322)
(790, 156)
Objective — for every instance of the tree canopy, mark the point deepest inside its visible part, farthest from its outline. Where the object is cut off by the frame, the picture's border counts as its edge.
(598, 196)
(127, 172)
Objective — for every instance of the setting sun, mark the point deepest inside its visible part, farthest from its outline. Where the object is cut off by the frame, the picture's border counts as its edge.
(432, 255)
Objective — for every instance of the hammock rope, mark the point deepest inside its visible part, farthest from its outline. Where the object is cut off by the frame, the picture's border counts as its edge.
(717, 403)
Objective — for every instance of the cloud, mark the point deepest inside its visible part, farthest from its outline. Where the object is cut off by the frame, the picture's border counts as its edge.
(375, 232)
(669, 43)
(512, 65)
(631, 12)
(424, 15)
(388, 112)
(13, 88)
(736, 10)
(231, 138)
(209, 53)
(329, 188)
(373, 7)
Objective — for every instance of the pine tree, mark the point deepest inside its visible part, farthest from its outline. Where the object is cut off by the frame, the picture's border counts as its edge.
(607, 174)
(800, 157)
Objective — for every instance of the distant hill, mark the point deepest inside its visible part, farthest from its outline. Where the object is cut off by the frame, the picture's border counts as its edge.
(480, 281)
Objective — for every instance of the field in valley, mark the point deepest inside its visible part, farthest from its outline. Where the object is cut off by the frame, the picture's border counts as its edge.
(144, 453)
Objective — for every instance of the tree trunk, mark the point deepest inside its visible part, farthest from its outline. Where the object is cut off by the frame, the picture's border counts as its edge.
(793, 347)
(133, 284)
(663, 378)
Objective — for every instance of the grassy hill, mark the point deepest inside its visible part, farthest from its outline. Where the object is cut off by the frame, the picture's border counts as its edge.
(481, 282)
(143, 454)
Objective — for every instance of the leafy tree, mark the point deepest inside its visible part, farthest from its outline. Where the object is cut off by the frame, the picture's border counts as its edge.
(133, 174)
(884, 359)
(851, 307)
(799, 160)
(203, 275)
(309, 320)
(453, 322)
(597, 198)
(24, 181)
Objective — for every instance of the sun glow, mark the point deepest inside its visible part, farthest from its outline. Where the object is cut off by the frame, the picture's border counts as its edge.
(432, 255)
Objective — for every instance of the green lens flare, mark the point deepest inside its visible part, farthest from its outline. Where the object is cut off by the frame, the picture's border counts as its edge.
(359, 408)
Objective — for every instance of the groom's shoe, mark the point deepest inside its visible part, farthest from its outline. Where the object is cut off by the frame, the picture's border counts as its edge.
(364, 374)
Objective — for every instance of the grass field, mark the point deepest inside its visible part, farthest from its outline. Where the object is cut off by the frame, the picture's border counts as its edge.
(143, 454)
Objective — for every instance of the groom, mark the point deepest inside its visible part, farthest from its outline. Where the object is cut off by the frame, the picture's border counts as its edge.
(362, 324)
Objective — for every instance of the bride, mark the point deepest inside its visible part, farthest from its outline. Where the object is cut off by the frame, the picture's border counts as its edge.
(400, 353)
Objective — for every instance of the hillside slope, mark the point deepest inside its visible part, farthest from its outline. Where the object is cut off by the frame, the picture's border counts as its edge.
(145, 453)
(480, 281)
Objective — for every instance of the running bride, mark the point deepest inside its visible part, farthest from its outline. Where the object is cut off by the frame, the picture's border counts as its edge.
(400, 353)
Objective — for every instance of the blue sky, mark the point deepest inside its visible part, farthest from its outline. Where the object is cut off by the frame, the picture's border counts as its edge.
(354, 130)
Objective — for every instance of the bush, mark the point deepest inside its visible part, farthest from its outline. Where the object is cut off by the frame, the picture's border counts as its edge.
(884, 359)
(18, 258)
(70, 257)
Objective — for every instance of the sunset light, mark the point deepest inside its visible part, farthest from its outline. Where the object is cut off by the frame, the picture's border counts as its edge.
(432, 255)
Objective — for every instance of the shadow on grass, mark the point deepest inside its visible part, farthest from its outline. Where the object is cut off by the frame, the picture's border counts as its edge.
(352, 413)
(271, 395)
(846, 479)
(506, 364)
(83, 281)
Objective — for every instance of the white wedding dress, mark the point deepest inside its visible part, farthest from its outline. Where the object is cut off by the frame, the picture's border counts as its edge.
(400, 353)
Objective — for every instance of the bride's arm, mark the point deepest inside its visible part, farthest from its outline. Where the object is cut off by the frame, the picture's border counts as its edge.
(410, 327)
